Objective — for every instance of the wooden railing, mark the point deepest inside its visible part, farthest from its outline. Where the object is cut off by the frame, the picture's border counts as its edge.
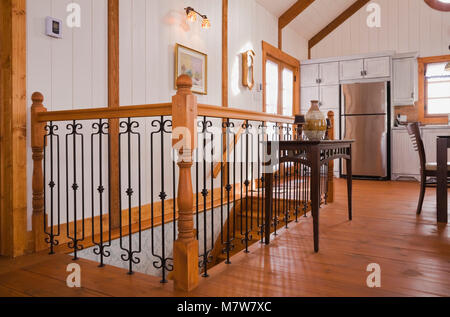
(184, 111)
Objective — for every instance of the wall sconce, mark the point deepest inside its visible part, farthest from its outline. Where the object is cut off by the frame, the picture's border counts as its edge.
(192, 17)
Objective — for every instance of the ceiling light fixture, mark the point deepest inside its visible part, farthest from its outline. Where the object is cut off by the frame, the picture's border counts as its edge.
(192, 17)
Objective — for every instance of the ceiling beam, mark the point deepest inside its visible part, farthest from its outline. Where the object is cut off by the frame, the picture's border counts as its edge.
(337, 22)
(288, 16)
(293, 12)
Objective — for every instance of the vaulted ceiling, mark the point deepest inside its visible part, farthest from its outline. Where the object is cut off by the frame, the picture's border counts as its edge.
(315, 17)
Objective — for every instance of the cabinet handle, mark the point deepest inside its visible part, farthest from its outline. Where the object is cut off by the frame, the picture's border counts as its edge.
(412, 95)
(362, 73)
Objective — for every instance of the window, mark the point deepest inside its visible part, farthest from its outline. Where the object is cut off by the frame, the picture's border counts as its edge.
(288, 92)
(437, 88)
(280, 84)
(271, 87)
(434, 89)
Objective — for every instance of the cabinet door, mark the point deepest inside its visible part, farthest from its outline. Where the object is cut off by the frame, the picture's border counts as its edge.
(308, 94)
(377, 67)
(403, 81)
(309, 75)
(329, 73)
(405, 160)
(329, 97)
(352, 69)
(429, 137)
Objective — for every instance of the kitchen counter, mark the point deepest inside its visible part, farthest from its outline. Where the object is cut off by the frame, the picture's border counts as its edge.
(425, 127)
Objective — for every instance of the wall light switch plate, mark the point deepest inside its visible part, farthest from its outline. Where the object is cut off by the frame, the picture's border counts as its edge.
(53, 27)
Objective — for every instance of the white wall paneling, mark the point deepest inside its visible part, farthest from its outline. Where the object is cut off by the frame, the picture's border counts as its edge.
(72, 72)
(406, 26)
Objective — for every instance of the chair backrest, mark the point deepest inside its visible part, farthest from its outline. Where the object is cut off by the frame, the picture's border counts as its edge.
(416, 139)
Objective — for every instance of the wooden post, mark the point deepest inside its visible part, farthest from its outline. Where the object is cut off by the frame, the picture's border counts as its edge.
(330, 196)
(13, 128)
(37, 145)
(114, 102)
(185, 249)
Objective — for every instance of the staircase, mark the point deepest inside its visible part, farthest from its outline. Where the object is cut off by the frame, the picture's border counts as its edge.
(249, 224)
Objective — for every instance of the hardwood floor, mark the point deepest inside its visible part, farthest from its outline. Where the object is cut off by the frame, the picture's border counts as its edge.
(413, 252)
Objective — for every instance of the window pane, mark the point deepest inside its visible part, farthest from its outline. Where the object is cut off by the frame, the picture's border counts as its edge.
(271, 87)
(439, 89)
(438, 106)
(437, 70)
(288, 92)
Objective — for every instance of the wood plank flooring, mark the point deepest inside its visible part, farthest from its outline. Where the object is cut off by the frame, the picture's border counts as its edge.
(413, 252)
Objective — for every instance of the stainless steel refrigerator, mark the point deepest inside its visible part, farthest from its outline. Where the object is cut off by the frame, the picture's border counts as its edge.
(365, 118)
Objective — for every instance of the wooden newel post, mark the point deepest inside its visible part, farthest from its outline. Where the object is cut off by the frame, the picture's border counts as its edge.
(37, 145)
(330, 196)
(185, 249)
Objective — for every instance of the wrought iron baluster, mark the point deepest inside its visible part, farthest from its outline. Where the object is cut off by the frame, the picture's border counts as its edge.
(74, 243)
(130, 254)
(163, 262)
(206, 256)
(100, 245)
(52, 137)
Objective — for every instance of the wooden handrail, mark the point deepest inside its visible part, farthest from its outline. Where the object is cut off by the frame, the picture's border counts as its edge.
(239, 114)
(160, 109)
(163, 109)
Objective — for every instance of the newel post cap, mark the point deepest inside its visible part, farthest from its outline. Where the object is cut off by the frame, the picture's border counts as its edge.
(37, 98)
(184, 82)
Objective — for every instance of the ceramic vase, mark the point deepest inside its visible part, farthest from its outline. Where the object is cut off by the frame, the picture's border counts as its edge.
(316, 123)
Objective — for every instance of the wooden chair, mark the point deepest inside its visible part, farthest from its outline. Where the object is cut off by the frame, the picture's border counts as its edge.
(426, 169)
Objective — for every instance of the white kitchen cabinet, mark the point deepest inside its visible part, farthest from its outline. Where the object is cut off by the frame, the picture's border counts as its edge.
(429, 136)
(368, 68)
(377, 67)
(352, 69)
(329, 73)
(329, 97)
(404, 81)
(405, 160)
(308, 94)
(309, 75)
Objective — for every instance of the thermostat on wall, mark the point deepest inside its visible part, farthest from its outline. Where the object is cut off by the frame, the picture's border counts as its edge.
(53, 27)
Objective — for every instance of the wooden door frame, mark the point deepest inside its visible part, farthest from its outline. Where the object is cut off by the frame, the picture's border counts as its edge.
(13, 125)
(273, 53)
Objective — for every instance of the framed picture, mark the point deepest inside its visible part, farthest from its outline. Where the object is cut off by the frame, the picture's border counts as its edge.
(194, 64)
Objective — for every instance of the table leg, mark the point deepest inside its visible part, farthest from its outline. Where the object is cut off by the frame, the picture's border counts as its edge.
(441, 191)
(315, 193)
(268, 206)
(349, 184)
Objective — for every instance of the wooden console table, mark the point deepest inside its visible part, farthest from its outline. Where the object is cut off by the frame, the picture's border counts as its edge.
(313, 154)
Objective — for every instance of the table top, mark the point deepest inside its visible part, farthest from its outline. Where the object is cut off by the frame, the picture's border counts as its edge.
(307, 142)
